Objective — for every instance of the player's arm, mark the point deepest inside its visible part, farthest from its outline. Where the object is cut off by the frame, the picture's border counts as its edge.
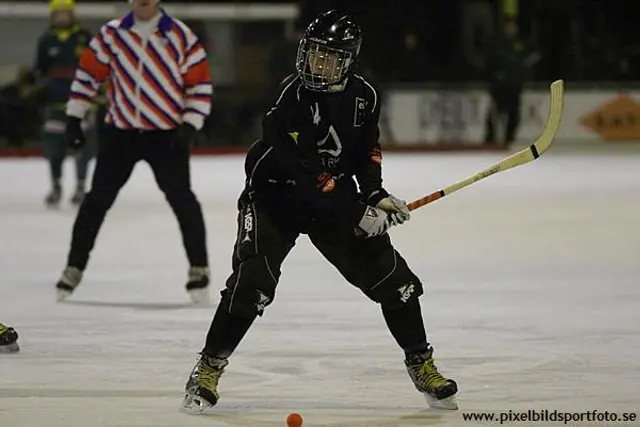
(284, 143)
(93, 69)
(368, 164)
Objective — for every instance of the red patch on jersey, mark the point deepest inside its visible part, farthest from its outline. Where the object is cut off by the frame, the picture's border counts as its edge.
(329, 186)
(326, 182)
(376, 155)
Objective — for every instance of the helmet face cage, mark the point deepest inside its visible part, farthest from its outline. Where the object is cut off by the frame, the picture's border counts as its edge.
(321, 67)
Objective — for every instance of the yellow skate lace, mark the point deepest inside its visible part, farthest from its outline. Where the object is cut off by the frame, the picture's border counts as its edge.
(208, 376)
(3, 329)
(432, 378)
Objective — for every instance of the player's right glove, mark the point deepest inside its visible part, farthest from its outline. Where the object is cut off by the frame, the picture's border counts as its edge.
(74, 135)
(374, 222)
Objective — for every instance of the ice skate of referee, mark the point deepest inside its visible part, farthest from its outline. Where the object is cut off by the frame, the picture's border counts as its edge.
(317, 171)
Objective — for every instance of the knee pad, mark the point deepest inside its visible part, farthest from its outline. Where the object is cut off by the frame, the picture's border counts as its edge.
(251, 288)
(398, 286)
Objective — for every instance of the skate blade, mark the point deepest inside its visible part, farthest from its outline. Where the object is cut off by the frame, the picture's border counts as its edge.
(62, 295)
(200, 296)
(449, 403)
(195, 405)
(10, 348)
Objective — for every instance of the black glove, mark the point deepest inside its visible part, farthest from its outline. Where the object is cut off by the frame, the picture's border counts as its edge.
(74, 135)
(186, 134)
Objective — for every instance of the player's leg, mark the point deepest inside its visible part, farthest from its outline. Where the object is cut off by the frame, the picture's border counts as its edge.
(8, 339)
(169, 161)
(374, 266)
(54, 149)
(261, 247)
(115, 161)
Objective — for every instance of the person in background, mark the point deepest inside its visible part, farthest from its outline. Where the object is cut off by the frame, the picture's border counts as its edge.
(508, 66)
(58, 53)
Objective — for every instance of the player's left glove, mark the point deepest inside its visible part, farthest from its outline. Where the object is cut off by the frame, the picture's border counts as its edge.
(396, 208)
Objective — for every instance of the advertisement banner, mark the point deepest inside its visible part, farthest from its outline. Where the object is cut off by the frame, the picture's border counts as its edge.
(457, 117)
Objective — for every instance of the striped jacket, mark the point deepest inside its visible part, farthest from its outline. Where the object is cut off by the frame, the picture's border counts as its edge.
(153, 84)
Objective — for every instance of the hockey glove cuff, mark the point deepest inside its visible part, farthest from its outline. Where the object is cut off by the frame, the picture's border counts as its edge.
(375, 196)
(396, 208)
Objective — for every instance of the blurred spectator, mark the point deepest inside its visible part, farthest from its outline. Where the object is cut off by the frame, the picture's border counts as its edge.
(508, 65)
(19, 109)
(57, 55)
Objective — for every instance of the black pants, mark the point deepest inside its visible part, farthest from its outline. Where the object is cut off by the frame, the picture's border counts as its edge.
(118, 154)
(263, 243)
(505, 112)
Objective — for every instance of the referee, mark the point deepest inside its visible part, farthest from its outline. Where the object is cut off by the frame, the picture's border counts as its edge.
(159, 90)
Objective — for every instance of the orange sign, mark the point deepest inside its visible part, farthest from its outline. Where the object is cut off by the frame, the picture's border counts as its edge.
(618, 119)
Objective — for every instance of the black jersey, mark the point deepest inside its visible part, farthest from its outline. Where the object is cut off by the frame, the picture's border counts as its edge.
(309, 135)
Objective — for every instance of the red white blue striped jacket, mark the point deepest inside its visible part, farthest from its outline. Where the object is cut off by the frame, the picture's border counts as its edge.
(152, 85)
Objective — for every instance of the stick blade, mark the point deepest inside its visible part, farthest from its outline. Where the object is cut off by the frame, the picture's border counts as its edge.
(556, 105)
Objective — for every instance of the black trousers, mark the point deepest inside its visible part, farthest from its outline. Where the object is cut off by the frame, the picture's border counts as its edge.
(118, 153)
(264, 241)
(505, 104)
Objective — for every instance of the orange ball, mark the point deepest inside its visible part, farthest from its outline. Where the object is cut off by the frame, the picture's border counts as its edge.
(294, 420)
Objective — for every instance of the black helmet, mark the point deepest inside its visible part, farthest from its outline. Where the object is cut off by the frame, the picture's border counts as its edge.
(328, 51)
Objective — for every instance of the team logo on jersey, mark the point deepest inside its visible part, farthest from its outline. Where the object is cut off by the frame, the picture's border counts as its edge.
(334, 149)
(358, 114)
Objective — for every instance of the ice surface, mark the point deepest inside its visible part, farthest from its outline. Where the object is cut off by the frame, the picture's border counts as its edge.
(532, 302)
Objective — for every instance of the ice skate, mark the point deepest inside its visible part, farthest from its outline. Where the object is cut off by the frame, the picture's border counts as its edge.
(78, 195)
(70, 279)
(198, 285)
(201, 391)
(53, 198)
(8, 340)
(438, 390)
